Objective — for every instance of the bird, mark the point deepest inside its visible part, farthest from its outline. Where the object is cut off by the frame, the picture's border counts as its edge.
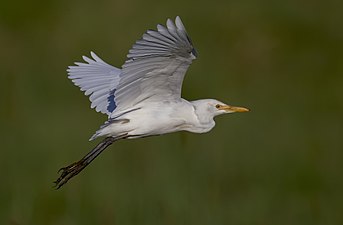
(143, 97)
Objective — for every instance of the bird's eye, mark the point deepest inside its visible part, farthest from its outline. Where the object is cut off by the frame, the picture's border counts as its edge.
(217, 106)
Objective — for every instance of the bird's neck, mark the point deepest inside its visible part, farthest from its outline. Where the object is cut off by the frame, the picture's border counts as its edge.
(205, 121)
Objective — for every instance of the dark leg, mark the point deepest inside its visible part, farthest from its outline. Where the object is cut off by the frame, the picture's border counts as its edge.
(73, 169)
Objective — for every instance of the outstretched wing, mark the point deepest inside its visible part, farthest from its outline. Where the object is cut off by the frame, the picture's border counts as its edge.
(98, 80)
(155, 66)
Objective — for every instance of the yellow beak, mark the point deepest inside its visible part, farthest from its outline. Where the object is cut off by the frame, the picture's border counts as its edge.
(230, 108)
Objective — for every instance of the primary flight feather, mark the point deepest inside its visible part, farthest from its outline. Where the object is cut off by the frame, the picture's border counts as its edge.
(143, 98)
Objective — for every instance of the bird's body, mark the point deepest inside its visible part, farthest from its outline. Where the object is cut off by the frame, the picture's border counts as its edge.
(143, 98)
(159, 118)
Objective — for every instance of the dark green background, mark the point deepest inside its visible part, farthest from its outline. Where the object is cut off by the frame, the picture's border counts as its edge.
(279, 164)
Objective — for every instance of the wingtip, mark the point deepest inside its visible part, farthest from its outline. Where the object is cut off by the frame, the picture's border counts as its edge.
(170, 24)
(94, 56)
(97, 58)
(179, 23)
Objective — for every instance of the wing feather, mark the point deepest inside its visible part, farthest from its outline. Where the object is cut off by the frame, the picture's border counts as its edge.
(97, 79)
(154, 70)
(155, 66)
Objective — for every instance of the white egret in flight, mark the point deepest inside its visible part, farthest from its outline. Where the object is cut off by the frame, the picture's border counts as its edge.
(143, 98)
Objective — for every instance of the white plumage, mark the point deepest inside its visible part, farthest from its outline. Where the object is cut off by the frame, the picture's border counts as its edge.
(96, 78)
(143, 98)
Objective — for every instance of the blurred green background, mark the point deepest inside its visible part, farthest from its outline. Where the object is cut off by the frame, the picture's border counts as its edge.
(279, 164)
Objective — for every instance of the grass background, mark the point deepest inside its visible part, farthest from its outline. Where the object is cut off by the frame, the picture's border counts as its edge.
(279, 164)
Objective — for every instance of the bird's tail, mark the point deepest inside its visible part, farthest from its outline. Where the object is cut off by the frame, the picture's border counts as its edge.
(75, 168)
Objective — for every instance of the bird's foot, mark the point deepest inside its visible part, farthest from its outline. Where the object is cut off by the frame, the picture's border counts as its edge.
(68, 172)
(75, 168)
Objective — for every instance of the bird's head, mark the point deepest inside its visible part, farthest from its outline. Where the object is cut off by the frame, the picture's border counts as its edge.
(222, 108)
(214, 107)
